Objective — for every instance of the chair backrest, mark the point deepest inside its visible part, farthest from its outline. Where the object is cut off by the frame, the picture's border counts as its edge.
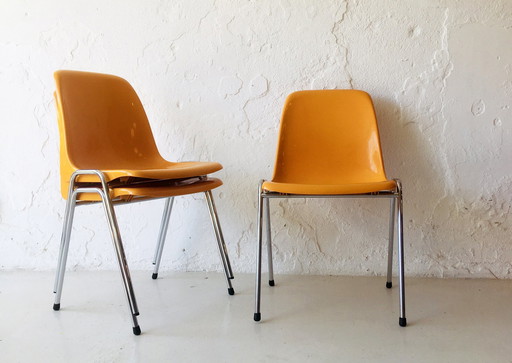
(102, 125)
(329, 137)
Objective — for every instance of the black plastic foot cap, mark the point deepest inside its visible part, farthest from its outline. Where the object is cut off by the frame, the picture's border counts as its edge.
(402, 321)
(231, 291)
(271, 282)
(257, 316)
(389, 285)
(136, 330)
(154, 276)
(56, 307)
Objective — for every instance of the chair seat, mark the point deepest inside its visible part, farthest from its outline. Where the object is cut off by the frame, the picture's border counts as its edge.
(163, 171)
(329, 189)
(156, 189)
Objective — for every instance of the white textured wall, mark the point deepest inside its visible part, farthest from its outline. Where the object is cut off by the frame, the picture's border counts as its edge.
(213, 76)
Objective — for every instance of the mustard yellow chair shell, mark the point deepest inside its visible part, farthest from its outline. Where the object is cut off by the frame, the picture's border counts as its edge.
(108, 155)
(329, 147)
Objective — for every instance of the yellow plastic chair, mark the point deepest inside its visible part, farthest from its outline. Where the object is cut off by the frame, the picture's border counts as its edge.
(108, 155)
(329, 147)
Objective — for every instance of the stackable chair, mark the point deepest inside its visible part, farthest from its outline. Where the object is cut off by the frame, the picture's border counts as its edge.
(329, 147)
(108, 155)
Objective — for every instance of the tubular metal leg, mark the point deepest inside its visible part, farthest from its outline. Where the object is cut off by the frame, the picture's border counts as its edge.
(257, 313)
(127, 281)
(70, 205)
(389, 282)
(161, 236)
(269, 245)
(64, 248)
(61, 250)
(402, 320)
(220, 241)
(212, 208)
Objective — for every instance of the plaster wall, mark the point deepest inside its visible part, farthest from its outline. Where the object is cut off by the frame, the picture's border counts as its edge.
(213, 76)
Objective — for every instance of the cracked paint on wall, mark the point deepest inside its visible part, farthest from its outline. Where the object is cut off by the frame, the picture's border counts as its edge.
(213, 76)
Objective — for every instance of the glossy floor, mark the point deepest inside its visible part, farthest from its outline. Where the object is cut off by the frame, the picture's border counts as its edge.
(189, 317)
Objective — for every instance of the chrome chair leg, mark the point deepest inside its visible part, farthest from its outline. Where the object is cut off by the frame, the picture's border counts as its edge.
(402, 320)
(161, 236)
(64, 248)
(269, 244)
(257, 313)
(392, 212)
(67, 223)
(220, 241)
(61, 250)
(121, 258)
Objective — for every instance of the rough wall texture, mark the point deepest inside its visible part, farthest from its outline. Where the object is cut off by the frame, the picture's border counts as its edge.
(213, 76)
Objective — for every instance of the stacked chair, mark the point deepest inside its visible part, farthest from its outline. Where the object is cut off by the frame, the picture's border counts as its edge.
(329, 147)
(108, 155)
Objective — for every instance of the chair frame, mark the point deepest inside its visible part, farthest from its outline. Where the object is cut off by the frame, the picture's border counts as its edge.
(396, 212)
(103, 190)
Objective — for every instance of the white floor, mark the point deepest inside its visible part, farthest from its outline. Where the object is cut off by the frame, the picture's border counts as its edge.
(189, 317)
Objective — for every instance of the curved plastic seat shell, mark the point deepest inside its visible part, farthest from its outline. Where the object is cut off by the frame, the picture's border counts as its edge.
(103, 126)
(167, 170)
(148, 191)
